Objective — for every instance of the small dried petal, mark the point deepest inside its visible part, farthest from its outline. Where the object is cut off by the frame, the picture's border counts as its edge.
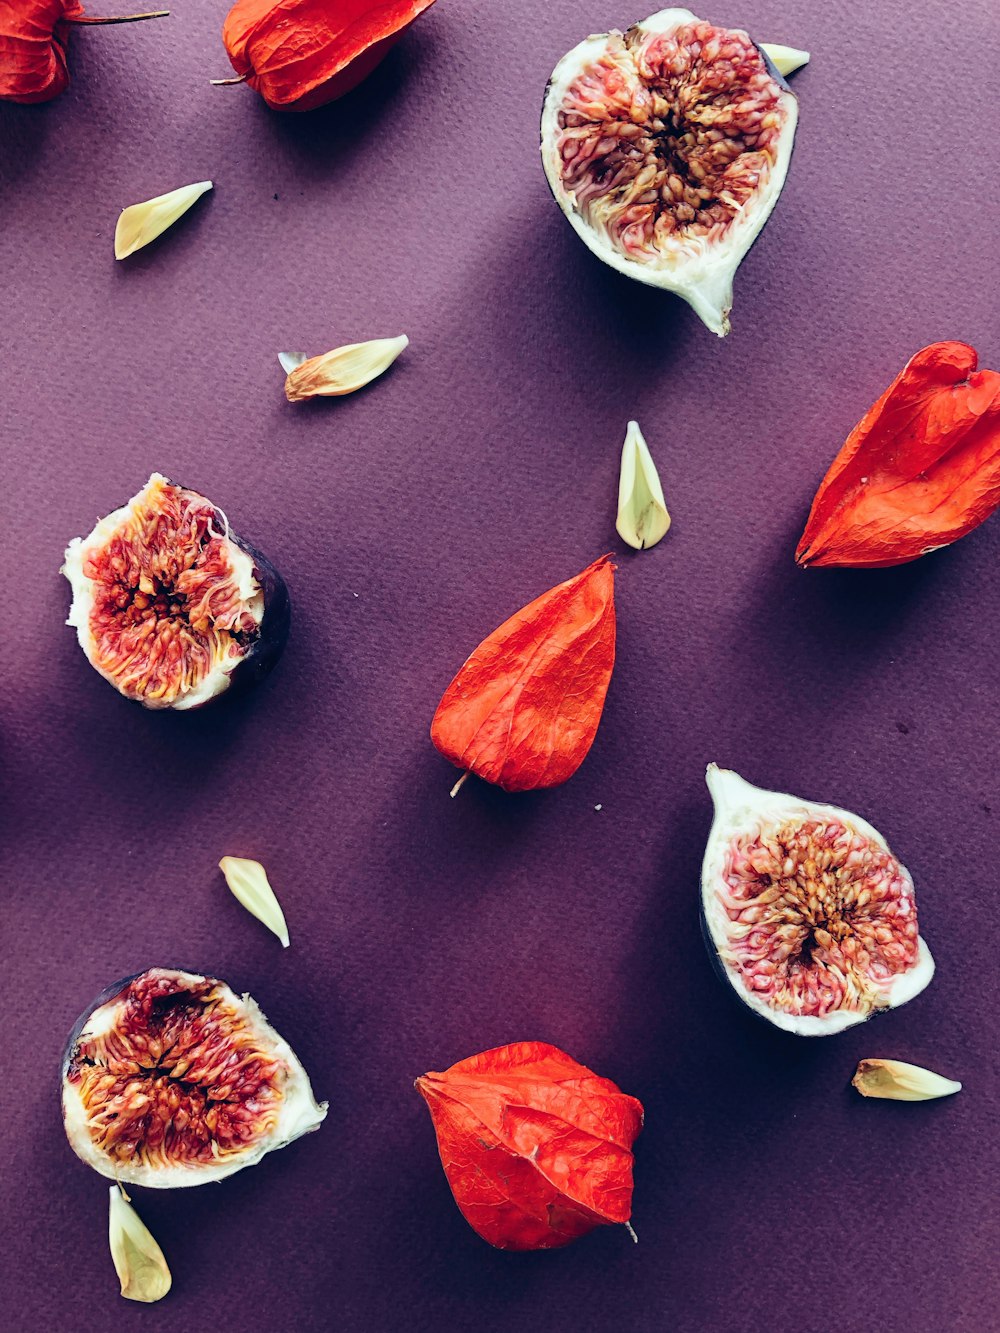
(290, 361)
(343, 370)
(139, 1262)
(901, 1082)
(642, 513)
(249, 885)
(785, 59)
(141, 223)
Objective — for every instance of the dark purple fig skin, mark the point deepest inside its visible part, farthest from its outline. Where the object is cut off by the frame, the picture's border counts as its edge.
(272, 634)
(779, 78)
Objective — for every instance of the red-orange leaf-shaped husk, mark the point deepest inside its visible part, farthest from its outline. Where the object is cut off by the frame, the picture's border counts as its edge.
(537, 1149)
(33, 38)
(301, 54)
(523, 711)
(920, 470)
(33, 35)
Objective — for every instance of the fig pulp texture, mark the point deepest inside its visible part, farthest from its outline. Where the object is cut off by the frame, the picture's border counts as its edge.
(667, 148)
(171, 1079)
(811, 917)
(169, 605)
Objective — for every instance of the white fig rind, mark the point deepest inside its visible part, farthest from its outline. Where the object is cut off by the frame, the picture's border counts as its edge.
(740, 806)
(698, 272)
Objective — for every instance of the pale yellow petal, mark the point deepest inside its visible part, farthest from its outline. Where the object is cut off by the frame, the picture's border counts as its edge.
(139, 1262)
(342, 371)
(785, 59)
(141, 223)
(250, 886)
(642, 511)
(901, 1082)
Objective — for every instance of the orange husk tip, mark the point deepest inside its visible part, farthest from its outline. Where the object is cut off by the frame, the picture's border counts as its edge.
(537, 1149)
(920, 470)
(34, 35)
(301, 54)
(524, 708)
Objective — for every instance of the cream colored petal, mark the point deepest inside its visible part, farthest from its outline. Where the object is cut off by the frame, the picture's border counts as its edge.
(642, 512)
(901, 1082)
(785, 59)
(343, 370)
(249, 885)
(141, 223)
(139, 1262)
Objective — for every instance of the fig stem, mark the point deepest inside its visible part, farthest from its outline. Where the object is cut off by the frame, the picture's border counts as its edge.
(121, 18)
(458, 785)
(227, 83)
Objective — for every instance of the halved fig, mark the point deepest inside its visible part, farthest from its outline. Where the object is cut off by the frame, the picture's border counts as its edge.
(171, 1079)
(810, 917)
(169, 605)
(667, 148)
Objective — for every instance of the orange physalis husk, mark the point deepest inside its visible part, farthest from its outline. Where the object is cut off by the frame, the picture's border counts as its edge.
(537, 1149)
(33, 39)
(301, 54)
(524, 709)
(920, 470)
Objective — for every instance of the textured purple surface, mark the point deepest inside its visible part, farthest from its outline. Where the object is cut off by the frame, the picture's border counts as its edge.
(408, 521)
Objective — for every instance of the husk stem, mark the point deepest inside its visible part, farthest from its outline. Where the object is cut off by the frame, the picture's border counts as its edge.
(87, 20)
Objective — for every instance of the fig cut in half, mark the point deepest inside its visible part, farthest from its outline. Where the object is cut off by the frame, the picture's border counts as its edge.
(169, 605)
(811, 918)
(172, 1079)
(667, 148)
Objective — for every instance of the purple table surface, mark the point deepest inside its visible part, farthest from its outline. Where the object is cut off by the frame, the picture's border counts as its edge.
(409, 521)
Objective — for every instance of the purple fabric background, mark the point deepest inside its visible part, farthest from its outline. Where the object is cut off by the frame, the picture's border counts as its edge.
(408, 521)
